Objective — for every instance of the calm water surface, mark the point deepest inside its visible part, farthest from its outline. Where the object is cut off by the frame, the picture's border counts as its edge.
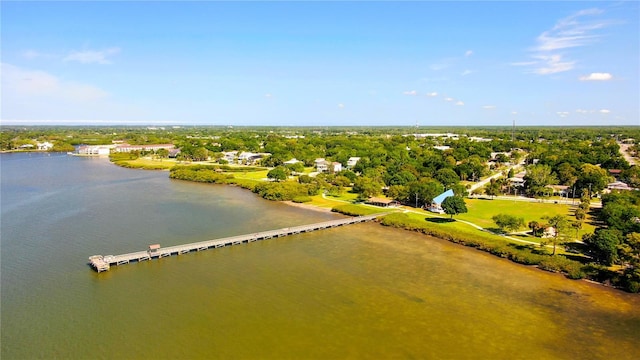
(362, 291)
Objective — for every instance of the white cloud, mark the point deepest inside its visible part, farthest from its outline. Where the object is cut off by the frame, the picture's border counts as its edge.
(514, 113)
(341, 106)
(489, 107)
(596, 77)
(551, 64)
(29, 84)
(412, 93)
(563, 113)
(268, 95)
(468, 53)
(576, 30)
(460, 103)
(570, 32)
(448, 99)
(605, 111)
(466, 72)
(432, 94)
(582, 111)
(92, 56)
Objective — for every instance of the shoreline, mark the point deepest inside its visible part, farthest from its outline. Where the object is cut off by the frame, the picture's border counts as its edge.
(308, 207)
(468, 243)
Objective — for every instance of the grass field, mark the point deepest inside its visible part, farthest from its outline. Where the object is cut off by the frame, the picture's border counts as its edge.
(481, 211)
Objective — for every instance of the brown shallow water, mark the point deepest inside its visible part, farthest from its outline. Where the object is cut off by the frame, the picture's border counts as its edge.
(363, 291)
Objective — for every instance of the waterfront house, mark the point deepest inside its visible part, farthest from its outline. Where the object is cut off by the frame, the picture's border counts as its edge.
(45, 146)
(436, 203)
(94, 150)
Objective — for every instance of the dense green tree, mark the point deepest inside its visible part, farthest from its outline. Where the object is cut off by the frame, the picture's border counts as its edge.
(537, 178)
(425, 189)
(603, 245)
(447, 177)
(508, 222)
(454, 205)
(567, 174)
(200, 154)
(492, 188)
(592, 177)
(398, 192)
(367, 187)
(279, 173)
(629, 250)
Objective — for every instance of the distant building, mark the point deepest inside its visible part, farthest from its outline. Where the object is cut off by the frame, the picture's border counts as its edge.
(442, 147)
(95, 150)
(154, 147)
(352, 162)
(45, 146)
(249, 158)
(323, 165)
(618, 185)
(292, 161)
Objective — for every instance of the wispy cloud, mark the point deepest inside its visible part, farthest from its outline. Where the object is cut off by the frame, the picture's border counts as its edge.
(341, 106)
(432, 94)
(268, 95)
(596, 77)
(411, 93)
(466, 72)
(93, 56)
(468, 53)
(459, 103)
(448, 99)
(489, 107)
(605, 111)
(29, 84)
(576, 30)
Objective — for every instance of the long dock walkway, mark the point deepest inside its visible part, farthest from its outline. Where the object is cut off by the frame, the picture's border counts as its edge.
(103, 262)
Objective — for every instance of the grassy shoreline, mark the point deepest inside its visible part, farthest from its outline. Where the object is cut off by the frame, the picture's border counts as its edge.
(441, 228)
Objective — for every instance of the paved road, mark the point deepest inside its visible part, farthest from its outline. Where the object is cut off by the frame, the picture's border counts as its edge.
(623, 151)
(484, 182)
(594, 204)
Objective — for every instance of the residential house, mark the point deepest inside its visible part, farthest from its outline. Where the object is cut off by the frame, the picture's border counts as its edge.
(323, 165)
(229, 156)
(249, 158)
(46, 146)
(436, 204)
(618, 185)
(352, 162)
(292, 161)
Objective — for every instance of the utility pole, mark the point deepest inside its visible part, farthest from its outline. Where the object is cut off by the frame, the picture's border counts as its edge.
(416, 200)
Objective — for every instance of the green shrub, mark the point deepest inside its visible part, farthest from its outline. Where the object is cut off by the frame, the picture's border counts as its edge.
(301, 199)
(198, 173)
(354, 210)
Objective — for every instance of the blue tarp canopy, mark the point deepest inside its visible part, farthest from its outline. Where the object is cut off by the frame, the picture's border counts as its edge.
(440, 198)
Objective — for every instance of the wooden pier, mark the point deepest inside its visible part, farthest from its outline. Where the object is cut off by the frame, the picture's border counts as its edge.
(102, 263)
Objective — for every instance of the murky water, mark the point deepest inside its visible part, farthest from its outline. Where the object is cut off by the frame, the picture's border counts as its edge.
(362, 291)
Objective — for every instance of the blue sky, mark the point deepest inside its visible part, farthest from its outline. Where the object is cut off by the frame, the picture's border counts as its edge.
(321, 63)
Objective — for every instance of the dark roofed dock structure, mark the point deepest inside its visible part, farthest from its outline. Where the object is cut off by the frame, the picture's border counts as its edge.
(102, 263)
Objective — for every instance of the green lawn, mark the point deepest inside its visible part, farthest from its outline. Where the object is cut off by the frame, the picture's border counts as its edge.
(481, 211)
